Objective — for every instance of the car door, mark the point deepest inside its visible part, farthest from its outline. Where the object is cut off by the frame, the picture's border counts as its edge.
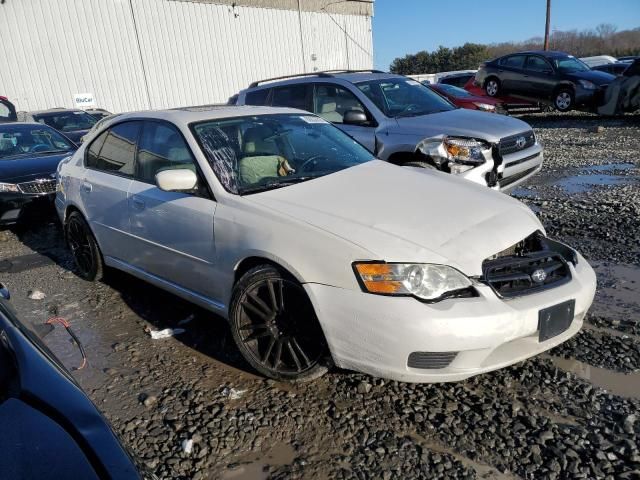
(331, 102)
(110, 164)
(539, 76)
(172, 231)
(511, 73)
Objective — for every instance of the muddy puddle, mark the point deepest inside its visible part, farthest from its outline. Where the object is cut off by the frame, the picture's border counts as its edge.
(599, 175)
(257, 467)
(624, 385)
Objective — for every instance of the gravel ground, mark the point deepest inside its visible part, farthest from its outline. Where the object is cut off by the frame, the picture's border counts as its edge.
(573, 413)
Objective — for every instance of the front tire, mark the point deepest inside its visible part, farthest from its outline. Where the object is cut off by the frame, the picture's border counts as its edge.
(84, 248)
(563, 100)
(492, 87)
(275, 326)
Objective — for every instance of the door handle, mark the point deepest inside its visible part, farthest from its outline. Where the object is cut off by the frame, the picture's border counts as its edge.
(86, 187)
(137, 203)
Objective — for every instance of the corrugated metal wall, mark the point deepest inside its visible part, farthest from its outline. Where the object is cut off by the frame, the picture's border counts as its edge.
(136, 54)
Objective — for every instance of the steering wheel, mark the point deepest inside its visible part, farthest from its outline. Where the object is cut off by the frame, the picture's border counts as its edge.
(311, 160)
(40, 147)
(410, 107)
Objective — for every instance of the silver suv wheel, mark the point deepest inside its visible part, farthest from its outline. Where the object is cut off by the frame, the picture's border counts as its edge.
(563, 101)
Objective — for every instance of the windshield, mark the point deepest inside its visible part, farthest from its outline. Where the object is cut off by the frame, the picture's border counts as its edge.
(67, 121)
(456, 92)
(21, 139)
(403, 97)
(253, 154)
(569, 64)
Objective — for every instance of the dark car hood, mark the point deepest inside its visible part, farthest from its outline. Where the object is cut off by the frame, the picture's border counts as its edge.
(599, 78)
(75, 135)
(26, 168)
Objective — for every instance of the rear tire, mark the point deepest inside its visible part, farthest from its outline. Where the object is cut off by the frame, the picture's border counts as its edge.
(492, 87)
(563, 100)
(84, 248)
(275, 326)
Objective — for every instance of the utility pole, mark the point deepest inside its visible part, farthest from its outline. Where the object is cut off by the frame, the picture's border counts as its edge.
(546, 28)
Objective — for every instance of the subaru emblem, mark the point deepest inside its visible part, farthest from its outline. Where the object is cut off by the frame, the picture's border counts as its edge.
(521, 142)
(539, 276)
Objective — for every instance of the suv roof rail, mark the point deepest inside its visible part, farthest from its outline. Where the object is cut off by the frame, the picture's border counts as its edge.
(322, 74)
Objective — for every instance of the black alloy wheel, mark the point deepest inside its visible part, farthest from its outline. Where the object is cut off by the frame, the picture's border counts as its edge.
(275, 326)
(84, 248)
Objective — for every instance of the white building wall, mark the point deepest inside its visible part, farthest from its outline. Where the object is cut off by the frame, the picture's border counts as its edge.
(137, 54)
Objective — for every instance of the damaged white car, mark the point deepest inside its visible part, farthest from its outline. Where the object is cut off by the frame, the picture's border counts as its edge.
(317, 253)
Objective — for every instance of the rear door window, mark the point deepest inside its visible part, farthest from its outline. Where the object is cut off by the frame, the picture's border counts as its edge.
(93, 152)
(257, 97)
(514, 61)
(293, 96)
(537, 64)
(117, 154)
(331, 102)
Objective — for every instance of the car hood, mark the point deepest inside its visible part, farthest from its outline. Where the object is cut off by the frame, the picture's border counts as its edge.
(26, 168)
(462, 122)
(401, 214)
(599, 78)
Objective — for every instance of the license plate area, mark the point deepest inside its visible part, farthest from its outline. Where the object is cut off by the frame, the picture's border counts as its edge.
(554, 320)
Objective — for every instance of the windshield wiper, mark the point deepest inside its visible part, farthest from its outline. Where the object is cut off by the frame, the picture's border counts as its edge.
(273, 185)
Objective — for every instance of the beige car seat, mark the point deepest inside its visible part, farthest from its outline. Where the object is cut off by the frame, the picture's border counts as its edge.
(261, 157)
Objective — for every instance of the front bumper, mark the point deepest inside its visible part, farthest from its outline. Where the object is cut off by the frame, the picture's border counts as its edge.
(16, 206)
(376, 334)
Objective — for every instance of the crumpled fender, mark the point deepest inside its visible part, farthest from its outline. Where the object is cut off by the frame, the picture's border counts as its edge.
(433, 148)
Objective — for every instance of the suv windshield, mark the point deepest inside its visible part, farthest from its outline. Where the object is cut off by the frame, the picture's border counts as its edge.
(569, 64)
(254, 154)
(403, 97)
(67, 121)
(20, 139)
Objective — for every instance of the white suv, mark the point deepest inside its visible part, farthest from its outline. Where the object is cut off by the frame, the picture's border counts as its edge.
(316, 252)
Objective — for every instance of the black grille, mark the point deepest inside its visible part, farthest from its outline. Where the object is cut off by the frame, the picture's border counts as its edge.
(510, 144)
(38, 186)
(431, 360)
(505, 181)
(511, 276)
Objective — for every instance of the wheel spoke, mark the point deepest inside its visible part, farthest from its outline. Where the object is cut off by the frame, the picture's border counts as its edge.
(272, 296)
(299, 348)
(252, 326)
(259, 303)
(294, 356)
(256, 335)
(256, 310)
(265, 357)
(278, 354)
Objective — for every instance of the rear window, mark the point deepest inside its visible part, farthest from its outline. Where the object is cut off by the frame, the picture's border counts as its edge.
(257, 97)
(514, 61)
(67, 121)
(292, 96)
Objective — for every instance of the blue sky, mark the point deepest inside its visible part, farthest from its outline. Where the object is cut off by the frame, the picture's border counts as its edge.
(408, 26)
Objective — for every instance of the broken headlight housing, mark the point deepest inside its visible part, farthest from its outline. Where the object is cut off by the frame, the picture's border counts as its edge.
(463, 153)
(429, 282)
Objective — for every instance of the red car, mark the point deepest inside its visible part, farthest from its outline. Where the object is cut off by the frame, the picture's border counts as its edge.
(509, 103)
(463, 99)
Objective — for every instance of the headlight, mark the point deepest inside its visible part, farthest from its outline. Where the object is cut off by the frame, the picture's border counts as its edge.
(485, 106)
(465, 150)
(422, 280)
(586, 84)
(8, 187)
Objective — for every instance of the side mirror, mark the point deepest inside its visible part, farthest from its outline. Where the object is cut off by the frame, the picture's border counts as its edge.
(177, 180)
(4, 292)
(354, 117)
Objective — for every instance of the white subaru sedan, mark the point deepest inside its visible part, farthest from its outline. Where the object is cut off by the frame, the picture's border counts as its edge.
(316, 253)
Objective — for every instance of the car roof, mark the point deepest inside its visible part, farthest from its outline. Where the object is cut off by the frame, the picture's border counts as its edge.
(543, 53)
(54, 110)
(187, 115)
(352, 76)
(26, 124)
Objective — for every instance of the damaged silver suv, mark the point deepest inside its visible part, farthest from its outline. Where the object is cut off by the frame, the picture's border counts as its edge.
(404, 122)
